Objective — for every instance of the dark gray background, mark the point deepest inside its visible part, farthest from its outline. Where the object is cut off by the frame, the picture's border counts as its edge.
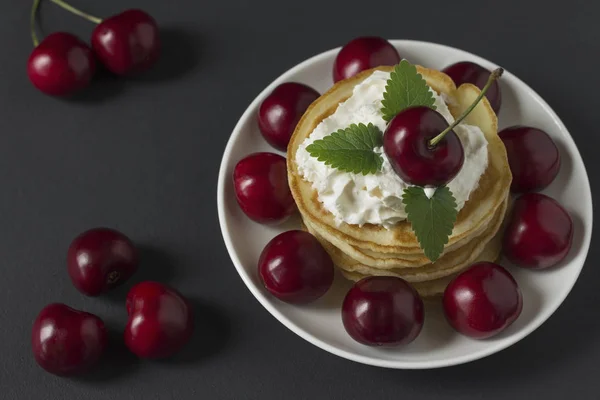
(143, 155)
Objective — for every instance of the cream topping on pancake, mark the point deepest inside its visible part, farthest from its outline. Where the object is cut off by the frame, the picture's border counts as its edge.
(377, 198)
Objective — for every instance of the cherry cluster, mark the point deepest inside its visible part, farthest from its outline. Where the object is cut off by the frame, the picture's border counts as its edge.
(67, 341)
(62, 64)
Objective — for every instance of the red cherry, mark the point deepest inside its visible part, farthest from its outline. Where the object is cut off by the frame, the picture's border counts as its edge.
(422, 148)
(469, 72)
(406, 144)
(383, 311)
(482, 301)
(160, 320)
(539, 232)
(100, 259)
(295, 267)
(128, 42)
(66, 341)
(61, 65)
(281, 110)
(261, 188)
(533, 157)
(361, 54)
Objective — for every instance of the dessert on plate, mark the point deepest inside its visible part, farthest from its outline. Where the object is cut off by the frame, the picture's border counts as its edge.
(361, 219)
(404, 184)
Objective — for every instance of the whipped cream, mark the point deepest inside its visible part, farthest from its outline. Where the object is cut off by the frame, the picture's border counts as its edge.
(377, 198)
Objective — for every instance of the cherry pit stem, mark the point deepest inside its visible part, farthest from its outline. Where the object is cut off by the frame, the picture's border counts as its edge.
(34, 8)
(497, 73)
(77, 11)
(61, 3)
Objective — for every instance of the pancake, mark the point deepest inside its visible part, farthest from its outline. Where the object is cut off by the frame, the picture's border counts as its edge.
(436, 287)
(389, 260)
(448, 264)
(400, 240)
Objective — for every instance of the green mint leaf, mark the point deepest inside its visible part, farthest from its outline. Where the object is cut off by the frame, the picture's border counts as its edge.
(350, 149)
(405, 88)
(432, 218)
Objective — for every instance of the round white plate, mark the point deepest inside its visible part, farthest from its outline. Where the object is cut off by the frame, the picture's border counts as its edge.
(437, 345)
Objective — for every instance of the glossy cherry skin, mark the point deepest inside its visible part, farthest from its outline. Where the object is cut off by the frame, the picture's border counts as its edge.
(280, 112)
(261, 188)
(406, 145)
(533, 157)
(482, 301)
(383, 311)
(61, 65)
(101, 259)
(66, 341)
(128, 42)
(361, 54)
(539, 232)
(295, 267)
(160, 320)
(469, 72)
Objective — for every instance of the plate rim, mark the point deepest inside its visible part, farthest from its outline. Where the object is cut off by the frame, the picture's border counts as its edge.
(386, 363)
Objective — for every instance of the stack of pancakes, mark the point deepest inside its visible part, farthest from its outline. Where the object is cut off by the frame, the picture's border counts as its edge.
(360, 251)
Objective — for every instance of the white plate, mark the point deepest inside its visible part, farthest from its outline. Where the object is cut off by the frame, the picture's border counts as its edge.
(437, 345)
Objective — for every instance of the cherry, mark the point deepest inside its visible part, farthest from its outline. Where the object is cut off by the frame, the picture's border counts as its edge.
(295, 267)
(539, 232)
(66, 341)
(128, 42)
(482, 301)
(422, 149)
(533, 158)
(469, 72)
(100, 259)
(383, 311)
(160, 320)
(281, 110)
(406, 144)
(261, 188)
(361, 54)
(61, 64)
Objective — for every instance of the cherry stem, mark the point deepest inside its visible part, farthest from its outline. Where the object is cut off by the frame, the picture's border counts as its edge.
(497, 73)
(34, 8)
(76, 11)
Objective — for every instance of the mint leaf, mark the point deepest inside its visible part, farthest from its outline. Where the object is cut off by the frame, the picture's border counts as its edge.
(432, 218)
(350, 149)
(405, 88)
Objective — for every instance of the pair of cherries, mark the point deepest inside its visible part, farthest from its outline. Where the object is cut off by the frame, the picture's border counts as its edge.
(67, 341)
(486, 299)
(295, 268)
(62, 64)
(387, 311)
